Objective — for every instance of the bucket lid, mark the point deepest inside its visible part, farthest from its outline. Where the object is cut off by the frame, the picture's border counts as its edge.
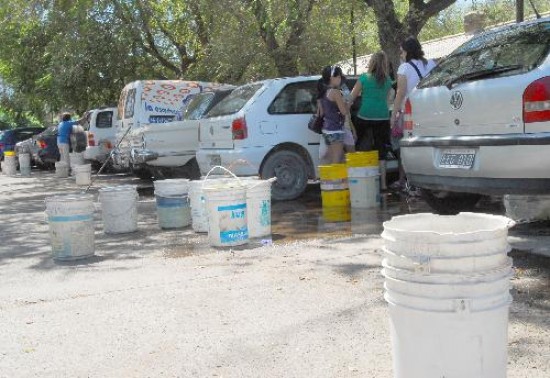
(119, 188)
(447, 225)
(71, 197)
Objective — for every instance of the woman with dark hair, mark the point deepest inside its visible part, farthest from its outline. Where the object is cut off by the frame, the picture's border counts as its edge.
(334, 111)
(414, 67)
(374, 116)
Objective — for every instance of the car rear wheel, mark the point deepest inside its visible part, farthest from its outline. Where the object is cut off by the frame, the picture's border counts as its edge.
(291, 171)
(450, 203)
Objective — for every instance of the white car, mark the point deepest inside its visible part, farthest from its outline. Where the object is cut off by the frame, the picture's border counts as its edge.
(479, 123)
(101, 134)
(261, 129)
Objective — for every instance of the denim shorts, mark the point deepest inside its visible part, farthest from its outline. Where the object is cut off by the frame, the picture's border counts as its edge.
(334, 138)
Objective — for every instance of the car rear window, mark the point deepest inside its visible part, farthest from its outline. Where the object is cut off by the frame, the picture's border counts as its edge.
(505, 52)
(104, 120)
(235, 101)
(198, 106)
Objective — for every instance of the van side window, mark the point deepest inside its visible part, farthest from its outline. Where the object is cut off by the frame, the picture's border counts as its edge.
(295, 98)
(130, 101)
(104, 120)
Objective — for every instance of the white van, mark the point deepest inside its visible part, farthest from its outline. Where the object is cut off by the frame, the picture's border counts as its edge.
(150, 102)
(101, 134)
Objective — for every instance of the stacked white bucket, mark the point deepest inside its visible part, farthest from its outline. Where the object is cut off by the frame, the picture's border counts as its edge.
(79, 169)
(119, 209)
(61, 169)
(75, 159)
(447, 286)
(173, 207)
(71, 225)
(364, 179)
(9, 165)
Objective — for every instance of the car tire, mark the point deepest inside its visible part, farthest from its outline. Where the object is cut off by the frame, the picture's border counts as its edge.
(450, 203)
(291, 170)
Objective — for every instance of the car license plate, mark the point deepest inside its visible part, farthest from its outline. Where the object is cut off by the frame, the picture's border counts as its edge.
(215, 160)
(457, 158)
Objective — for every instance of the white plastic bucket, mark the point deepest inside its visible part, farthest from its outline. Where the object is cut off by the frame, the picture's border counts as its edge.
(258, 207)
(448, 264)
(119, 209)
(227, 215)
(199, 214)
(364, 187)
(172, 199)
(75, 159)
(83, 174)
(25, 164)
(465, 234)
(71, 224)
(9, 168)
(527, 208)
(454, 344)
(61, 169)
(447, 286)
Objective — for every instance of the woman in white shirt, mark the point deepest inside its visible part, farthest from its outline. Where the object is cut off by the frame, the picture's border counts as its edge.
(409, 73)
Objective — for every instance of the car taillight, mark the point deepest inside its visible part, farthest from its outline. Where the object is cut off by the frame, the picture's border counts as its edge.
(407, 117)
(1, 146)
(41, 144)
(536, 101)
(239, 129)
(91, 140)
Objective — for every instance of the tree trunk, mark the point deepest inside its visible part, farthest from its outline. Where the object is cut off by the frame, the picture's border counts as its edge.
(392, 32)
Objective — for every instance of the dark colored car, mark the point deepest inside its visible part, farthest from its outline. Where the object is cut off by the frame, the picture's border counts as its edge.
(46, 152)
(9, 138)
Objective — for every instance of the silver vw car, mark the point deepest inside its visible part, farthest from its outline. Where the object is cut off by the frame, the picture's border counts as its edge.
(479, 123)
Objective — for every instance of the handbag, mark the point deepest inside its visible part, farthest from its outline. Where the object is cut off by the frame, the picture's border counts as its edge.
(397, 127)
(315, 124)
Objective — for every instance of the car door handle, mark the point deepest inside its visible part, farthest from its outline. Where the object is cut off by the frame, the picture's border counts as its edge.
(226, 127)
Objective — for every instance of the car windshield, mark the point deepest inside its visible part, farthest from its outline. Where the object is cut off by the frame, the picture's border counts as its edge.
(505, 52)
(198, 106)
(235, 101)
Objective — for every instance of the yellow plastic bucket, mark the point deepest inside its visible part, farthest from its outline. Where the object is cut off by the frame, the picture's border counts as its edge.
(335, 198)
(362, 159)
(335, 193)
(9, 153)
(333, 172)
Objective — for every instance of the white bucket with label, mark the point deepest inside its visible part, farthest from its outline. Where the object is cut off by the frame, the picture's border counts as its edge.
(199, 214)
(227, 215)
(364, 187)
(61, 169)
(71, 224)
(9, 168)
(119, 209)
(83, 174)
(172, 199)
(75, 159)
(447, 287)
(25, 164)
(258, 207)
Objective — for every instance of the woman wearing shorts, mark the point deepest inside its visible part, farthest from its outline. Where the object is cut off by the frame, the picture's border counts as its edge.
(334, 112)
(374, 116)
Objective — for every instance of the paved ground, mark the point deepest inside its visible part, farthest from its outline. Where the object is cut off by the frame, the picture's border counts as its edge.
(163, 303)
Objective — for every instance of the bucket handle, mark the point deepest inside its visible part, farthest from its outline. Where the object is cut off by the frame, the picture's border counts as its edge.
(224, 169)
(260, 182)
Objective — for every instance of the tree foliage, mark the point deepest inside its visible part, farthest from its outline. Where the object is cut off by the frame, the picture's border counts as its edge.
(75, 55)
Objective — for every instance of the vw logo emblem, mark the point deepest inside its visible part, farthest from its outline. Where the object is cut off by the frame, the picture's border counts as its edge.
(456, 100)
